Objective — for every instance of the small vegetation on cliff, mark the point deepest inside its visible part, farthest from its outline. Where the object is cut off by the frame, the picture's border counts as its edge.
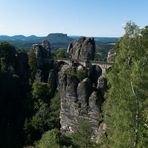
(80, 74)
(50, 139)
(60, 53)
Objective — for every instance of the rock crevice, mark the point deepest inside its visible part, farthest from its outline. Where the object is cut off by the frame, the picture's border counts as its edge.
(80, 99)
(82, 49)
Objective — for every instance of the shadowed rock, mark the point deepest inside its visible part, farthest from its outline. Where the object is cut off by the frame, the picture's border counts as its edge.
(43, 59)
(79, 100)
(84, 90)
(52, 81)
(46, 45)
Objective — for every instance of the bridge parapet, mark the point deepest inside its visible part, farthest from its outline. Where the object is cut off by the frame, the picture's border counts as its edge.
(103, 65)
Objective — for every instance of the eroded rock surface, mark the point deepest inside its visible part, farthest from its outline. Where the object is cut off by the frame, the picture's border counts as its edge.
(80, 99)
(44, 61)
(111, 56)
(41, 54)
(82, 49)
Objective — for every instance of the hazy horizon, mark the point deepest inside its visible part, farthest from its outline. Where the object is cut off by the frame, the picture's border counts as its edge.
(59, 32)
(93, 18)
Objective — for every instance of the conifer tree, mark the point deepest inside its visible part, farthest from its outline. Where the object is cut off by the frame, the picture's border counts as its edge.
(125, 112)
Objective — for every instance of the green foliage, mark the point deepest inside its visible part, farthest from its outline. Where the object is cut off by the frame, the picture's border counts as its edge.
(41, 118)
(124, 112)
(7, 56)
(81, 74)
(82, 137)
(66, 141)
(54, 119)
(131, 29)
(125, 104)
(102, 51)
(60, 53)
(71, 71)
(21, 50)
(41, 91)
(45, 112)
(50, 139)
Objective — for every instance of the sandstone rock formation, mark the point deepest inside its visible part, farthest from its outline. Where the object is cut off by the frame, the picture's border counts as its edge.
(82, 49)
(41, 51)
(80, 100)
(43, 60)
(111, 56)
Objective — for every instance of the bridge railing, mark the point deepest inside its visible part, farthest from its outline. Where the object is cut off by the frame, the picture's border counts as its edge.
(91, 61)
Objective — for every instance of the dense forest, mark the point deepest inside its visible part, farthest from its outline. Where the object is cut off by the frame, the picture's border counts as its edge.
(125, 111)
(30, 103)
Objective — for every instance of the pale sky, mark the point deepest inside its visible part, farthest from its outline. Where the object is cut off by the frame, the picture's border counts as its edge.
(102, 18)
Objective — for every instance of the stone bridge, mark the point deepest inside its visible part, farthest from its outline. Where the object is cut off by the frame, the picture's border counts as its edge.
(103, 65)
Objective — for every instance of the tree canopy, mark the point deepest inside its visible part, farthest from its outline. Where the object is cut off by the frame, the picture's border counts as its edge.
(125, 105)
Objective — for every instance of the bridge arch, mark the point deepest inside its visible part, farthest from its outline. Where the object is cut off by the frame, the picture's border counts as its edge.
(101, 64)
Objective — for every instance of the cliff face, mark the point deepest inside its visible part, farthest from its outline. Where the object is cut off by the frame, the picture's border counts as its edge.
(82, 49)
(80, 99)
(41, 52)
(81, 88)
(46, 69)
(111, 56)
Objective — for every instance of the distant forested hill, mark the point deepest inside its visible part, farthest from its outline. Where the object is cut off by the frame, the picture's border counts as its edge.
(57, 40)
(100, 39)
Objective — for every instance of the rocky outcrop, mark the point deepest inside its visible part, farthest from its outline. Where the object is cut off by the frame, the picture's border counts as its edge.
(94, 73)
(111, 56)
(46, 45)
(44, 61)
(84, 90)
(42, 53)
(82, 49)
(52, 81)
(80, 100)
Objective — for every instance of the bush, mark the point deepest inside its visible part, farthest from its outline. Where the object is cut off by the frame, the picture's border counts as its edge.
(41, 91)
(60, 53)
(81, 74)
(50, 139)
(82, 137)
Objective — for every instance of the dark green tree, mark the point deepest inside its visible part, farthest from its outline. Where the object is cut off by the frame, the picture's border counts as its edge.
(45, 112)
(41, 92)
(125, 104)
(83, 134)
(60, 53)
(81, 74)
(12, 95)
(7, 57)
(32, 64)
(50, 139)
